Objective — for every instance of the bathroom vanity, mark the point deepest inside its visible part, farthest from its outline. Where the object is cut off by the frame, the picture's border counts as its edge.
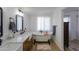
(19, 43)
(27, 44)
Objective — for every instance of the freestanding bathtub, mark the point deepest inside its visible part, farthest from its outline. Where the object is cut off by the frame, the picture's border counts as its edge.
(41, 37)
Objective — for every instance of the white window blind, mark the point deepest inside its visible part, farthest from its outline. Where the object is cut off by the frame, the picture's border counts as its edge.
(43, 23)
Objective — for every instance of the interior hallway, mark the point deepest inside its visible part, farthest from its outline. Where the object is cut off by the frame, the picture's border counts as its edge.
(71, 20)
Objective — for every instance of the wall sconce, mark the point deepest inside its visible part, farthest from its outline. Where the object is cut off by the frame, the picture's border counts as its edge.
(19, 12)
(11, 19)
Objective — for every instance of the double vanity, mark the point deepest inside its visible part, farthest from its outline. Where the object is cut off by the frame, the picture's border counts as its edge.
(15, 44)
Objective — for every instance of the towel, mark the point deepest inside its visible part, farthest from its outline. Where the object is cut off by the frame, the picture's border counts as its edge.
(12, 26)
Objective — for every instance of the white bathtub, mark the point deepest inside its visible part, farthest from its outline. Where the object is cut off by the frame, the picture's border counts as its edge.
(41, 37)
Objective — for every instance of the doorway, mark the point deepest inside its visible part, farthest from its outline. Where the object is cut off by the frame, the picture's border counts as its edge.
(66, 32)
(71, 29)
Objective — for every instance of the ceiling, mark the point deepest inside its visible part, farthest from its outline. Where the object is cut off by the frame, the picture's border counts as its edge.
(71, 9)
(38, 10)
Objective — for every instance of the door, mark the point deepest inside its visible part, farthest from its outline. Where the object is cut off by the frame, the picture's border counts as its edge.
(66, 35)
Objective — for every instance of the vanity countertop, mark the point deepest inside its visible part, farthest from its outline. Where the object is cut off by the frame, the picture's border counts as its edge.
(20, 38)
(15, 43)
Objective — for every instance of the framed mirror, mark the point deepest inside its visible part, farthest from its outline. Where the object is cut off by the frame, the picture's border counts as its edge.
(19, 23)
(1, 22)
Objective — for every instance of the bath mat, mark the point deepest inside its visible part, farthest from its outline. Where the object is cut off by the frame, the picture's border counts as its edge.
(43, 47)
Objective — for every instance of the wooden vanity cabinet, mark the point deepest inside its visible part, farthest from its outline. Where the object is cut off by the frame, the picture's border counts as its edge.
(27, 44)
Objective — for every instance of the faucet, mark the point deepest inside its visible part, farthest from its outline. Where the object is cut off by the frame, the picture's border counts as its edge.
(12, 36)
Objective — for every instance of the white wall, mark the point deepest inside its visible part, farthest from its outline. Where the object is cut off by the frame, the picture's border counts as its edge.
(57, 19)
(33, 22)
(26, 22)
(10, 12)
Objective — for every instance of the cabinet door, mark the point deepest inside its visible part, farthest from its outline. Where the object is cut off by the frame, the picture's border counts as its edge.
(27, 45)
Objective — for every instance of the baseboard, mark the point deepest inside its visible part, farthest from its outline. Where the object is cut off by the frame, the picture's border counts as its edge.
(58, 45)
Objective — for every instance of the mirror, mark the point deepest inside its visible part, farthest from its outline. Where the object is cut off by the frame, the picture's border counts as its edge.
(19, 23)
(1, 22)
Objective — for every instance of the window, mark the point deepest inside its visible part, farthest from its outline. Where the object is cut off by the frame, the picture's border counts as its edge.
(66, 19)
(43, 23)
(19, 23)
